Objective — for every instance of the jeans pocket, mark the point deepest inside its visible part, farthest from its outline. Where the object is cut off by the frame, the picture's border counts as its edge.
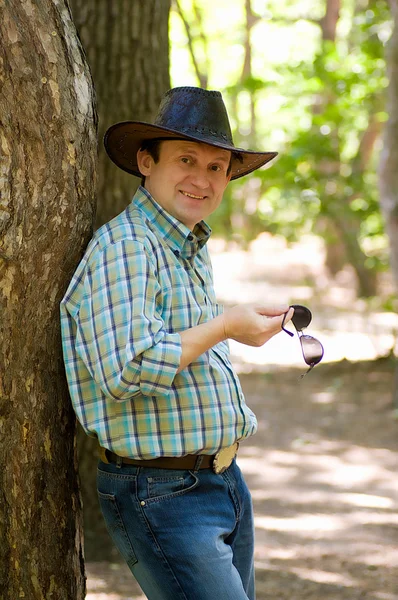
(116, 528)
(163, 487)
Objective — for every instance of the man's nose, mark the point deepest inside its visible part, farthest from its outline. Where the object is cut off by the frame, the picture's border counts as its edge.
(200, 178)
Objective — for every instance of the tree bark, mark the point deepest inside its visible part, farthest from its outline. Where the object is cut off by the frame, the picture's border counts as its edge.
(47, 163)
(127, 47)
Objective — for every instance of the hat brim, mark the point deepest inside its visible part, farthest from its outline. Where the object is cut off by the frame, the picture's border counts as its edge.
(123, 140)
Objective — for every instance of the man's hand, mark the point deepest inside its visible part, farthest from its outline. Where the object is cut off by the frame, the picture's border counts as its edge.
(254, 325)
(250, 325)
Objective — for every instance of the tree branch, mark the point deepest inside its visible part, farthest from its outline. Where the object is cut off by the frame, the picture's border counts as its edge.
(202, 78)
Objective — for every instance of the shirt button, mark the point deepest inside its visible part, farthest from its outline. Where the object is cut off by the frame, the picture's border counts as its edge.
(190, 237)
(176, 252)
(142, 503)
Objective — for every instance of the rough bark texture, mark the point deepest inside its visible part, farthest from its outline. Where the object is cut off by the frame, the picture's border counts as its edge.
(388, 172)
(47, 175)
(127, 47)
(126, 42)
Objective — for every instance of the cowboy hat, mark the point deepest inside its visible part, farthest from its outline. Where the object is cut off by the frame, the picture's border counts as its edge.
(186, 113)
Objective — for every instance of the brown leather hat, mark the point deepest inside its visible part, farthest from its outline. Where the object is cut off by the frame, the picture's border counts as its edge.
(186, 113)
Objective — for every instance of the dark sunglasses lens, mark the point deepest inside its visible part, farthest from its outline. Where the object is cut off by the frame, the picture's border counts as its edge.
(302, 316)
(312, 350)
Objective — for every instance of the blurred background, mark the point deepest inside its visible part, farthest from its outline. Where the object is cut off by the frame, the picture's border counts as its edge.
(316, 81)
(308, 79)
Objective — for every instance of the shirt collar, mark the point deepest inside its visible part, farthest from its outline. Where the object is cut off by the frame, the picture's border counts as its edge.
(179, 237)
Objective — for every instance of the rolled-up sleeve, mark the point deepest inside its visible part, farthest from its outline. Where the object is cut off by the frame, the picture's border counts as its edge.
(121, 336)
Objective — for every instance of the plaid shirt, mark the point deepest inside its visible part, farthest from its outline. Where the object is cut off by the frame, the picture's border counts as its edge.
(144, 278)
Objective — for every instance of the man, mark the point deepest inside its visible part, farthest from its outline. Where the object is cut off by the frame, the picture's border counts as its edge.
(147, 359)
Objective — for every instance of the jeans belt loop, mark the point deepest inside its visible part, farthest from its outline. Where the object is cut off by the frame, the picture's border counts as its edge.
(119, 462)
(199, 461)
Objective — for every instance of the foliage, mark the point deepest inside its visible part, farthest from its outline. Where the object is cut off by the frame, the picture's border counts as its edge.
(320, 103)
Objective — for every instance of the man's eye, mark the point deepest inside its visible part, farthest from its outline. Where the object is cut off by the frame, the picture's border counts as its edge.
(185, 159)
(216, 168)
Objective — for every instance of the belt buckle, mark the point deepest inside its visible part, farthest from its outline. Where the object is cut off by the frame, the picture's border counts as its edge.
(224, 458)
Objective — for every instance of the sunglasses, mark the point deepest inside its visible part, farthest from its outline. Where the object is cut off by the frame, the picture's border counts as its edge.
(311, 348)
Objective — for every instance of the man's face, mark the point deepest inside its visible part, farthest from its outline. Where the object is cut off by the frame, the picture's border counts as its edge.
(189, 179)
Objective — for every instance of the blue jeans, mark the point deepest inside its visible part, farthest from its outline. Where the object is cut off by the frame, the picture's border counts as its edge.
(185, 535)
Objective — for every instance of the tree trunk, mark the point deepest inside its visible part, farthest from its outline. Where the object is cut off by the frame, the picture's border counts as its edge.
(127, 47)
(388, 170)
(343, 227)
(331, 18)
(47, 162)
(126, 42)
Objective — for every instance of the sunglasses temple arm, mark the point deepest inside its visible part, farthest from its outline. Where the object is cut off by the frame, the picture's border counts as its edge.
(286, 330)
(308, 370)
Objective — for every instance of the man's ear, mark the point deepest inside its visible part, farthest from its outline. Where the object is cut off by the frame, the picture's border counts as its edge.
(228, 179)
(144, 162)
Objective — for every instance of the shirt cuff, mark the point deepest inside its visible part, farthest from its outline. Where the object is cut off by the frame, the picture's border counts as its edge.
(159, 366)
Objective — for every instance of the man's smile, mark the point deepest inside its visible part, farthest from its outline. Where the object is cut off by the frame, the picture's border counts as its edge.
(192, 195)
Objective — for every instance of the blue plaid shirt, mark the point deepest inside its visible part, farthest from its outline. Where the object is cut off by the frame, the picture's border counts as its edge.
(144, 278)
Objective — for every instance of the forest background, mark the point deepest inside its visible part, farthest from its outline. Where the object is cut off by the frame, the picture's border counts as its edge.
(315, 81)
(308, 79)
(313, 87)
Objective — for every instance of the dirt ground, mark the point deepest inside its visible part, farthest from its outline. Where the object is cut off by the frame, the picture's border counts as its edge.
(323, 465)
(323, 474)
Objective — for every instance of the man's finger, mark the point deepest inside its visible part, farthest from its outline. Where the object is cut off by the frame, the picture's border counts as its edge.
(289, 314)
(274, 310)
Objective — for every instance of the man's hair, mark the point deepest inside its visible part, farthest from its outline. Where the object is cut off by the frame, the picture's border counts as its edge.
(153, 149)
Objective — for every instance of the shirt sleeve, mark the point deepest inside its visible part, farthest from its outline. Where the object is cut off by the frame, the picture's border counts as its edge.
(121, 336)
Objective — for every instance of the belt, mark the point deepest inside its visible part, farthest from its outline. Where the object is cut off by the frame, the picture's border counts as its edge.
(218, 462)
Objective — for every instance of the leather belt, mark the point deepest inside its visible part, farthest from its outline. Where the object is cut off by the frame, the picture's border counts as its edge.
(218, 462)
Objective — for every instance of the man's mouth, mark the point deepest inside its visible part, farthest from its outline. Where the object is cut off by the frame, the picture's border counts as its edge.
(192, 195)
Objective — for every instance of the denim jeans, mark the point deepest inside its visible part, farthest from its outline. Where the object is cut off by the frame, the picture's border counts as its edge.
(185, 535)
